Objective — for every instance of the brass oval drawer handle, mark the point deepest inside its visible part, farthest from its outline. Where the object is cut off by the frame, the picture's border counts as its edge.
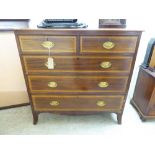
(48, 44)
(52, 84)
(108, 45)
(106, 64)
(103, 84)
(100, 103)
(54, 103)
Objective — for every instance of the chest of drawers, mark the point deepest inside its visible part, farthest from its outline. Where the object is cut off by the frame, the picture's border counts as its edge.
(91, 71)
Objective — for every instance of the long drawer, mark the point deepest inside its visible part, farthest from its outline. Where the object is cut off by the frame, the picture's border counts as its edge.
(35, 64)
(33, 44)
(77, 83)
(111, 44)
(77, 103)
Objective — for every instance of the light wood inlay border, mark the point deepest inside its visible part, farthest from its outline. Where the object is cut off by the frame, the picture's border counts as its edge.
(80, 109)
(109, 38)
(84, 77)
(45, 38)
(82, 57)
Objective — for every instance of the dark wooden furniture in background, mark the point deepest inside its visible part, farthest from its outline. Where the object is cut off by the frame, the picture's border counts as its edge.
(144, 96)
(92, 71)
(149, 59)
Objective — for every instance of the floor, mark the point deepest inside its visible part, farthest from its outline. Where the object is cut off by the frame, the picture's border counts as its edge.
(18, 121)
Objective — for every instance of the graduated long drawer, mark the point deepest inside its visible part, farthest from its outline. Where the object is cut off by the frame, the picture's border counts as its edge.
(77, 103)
(35, 64)
(77, 83)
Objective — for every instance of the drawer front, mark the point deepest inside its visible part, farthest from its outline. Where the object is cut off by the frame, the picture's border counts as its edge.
(76, 64)
(111, 44)
(77, 103)
(33, 44)
(77, 84)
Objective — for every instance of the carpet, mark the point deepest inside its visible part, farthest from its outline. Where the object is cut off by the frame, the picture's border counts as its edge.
(18, 121)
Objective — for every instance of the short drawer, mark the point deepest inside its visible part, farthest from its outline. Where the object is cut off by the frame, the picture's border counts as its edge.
(77, 83)
(111, 44)
(77, 103)
(33, 44)
(36, 64)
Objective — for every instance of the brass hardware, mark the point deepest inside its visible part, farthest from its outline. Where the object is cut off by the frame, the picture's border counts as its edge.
(108, 45)
(54, 103)
(103, 84)
(48, 44)
(101, 103)
(52, 84)
(50, 62)
(106, 64)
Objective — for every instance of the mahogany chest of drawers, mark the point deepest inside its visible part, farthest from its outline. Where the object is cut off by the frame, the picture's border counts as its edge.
(91, 69)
